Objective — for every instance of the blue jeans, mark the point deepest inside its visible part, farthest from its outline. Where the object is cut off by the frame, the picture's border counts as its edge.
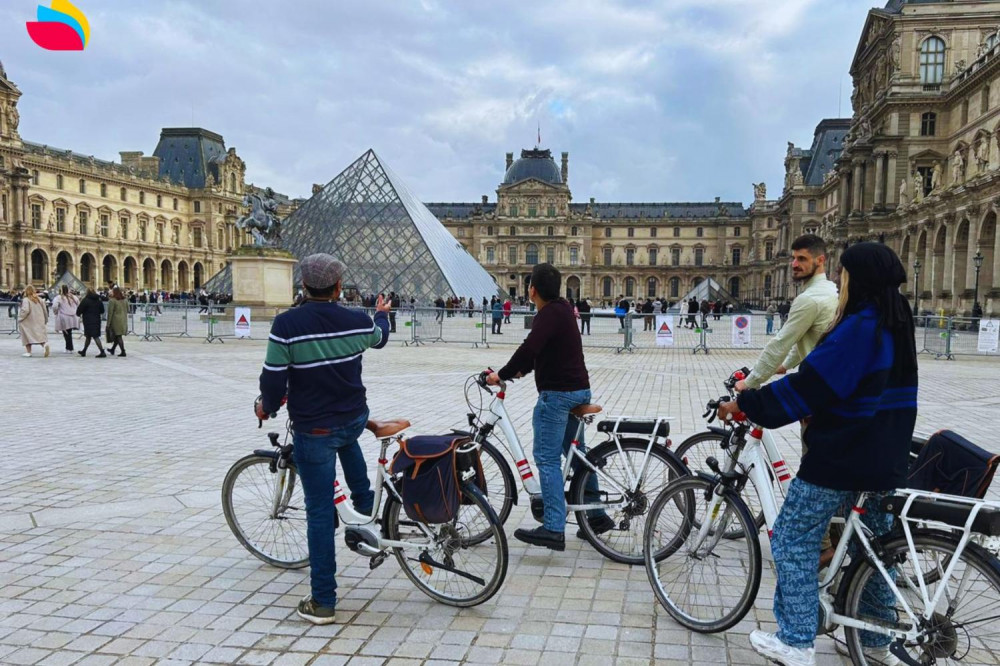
(315, 459)
(555, 430)
(795, 545)
(770, 325)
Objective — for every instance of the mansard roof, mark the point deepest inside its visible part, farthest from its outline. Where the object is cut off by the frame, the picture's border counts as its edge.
(189, 154)
(828, 143)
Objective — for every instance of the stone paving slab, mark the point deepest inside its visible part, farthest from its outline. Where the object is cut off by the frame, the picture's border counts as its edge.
(114, 550)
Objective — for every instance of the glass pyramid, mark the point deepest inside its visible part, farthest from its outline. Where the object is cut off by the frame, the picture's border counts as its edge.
(387, 239)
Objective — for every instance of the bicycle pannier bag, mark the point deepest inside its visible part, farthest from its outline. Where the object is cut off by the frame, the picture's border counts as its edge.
(430, 483)
(948, 463)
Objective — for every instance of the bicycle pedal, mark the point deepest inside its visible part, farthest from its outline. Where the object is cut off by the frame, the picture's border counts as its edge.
(376, 561)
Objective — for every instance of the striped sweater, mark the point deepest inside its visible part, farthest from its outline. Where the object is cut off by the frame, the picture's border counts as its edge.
(314, 355)
(861, 408)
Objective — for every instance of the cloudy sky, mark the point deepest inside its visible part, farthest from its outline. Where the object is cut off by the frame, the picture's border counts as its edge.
(672, 100)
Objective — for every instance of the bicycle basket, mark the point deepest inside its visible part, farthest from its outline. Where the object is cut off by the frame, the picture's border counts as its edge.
(950, 464)
(430, 486)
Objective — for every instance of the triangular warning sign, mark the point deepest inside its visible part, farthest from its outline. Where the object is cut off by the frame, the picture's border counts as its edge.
(664, 328)
(243, 321)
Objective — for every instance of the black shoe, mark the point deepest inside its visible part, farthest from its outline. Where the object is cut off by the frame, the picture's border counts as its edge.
(82, 353)
(542, 537)
(101, 355)
(599, 524)
(122, 355)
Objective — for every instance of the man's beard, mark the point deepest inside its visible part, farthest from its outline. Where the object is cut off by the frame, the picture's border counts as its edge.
(804, 276)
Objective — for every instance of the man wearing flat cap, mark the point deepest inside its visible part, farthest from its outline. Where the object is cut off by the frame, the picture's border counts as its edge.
(314, 357)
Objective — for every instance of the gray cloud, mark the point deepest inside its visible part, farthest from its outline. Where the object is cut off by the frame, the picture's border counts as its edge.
(671, 100)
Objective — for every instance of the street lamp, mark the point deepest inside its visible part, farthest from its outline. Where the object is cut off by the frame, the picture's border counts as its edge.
(978, 262)
(916, 288)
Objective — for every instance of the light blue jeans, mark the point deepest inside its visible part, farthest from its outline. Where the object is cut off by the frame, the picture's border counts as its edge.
(555, 430)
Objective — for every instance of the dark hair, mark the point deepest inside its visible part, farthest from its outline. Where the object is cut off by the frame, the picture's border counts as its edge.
(116, 293)
(320, 293)
(811, 243)
(546, 280)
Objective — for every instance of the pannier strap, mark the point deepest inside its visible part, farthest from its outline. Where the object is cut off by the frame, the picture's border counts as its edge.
(425, 448)
(987, 521)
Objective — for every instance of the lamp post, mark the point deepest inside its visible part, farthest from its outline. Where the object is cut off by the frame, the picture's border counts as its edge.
(916, 287)
(978, 263)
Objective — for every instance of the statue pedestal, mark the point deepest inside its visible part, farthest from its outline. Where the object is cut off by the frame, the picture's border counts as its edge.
(263, 277)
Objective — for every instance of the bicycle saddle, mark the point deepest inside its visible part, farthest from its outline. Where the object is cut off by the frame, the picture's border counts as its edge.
(583, 410)
(387, 428)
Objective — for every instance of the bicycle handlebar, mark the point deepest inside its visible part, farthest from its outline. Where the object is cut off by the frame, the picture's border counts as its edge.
(730, 384)
(481, 380)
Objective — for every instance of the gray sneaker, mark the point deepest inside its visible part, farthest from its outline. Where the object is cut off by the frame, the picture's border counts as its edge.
(313, 612)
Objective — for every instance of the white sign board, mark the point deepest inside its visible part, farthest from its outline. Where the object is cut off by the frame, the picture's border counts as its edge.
(242, 322)
(989, 335)
(741, 331)
(664, 330)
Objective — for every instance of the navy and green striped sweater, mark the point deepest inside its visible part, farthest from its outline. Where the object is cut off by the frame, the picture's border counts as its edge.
(314, 354)
(862, 408)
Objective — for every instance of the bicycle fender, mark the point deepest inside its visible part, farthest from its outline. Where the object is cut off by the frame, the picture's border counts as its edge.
(266, 453)
(721, 432)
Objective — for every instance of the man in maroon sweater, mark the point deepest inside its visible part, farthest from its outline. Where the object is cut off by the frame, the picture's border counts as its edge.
(554, 351)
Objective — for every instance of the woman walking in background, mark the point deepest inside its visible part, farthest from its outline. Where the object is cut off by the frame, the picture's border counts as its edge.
(64, 309)
(90, 310)
(117, 320)
(31, 321)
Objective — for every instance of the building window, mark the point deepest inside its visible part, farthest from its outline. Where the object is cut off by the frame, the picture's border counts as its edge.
(932, 61)
(631, 232)
(219, 239)
(928, 124)
(675, 256)
(197, 206)
(36, 216)
(532, 210)
(700, 232)
(630, 257)
(105, 223)
(770, 223)
(736, 256)
(34, 177)
(489, 230)
(607, 256)
(551, 210)
(651, 288)
(61, 220)
(175, 203)
(490, 255)
(607, 232)
(573, 231)
(606, 287)
(630, 287)
(461, 232)
(677, 232)
(513, 231)
(652, 256)
(124, 194)
(810, 207)
(104, 190)
(675, 287)
(574, 256)
(531, 254)
(699, 256)
(82, 215)
(652, 232)
(550, 231)
(984, 101)
(512, 254)
(512, 210)
(175, 235)
(965, 113)
(197, 237)
(550, 255)
(142, 197)
(83, 186)
(768, 250)
(767, 286)
(159, 201)
(59, 180)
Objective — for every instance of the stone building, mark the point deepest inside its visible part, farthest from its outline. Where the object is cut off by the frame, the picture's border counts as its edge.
(919, 164)
(602, 249)
(165, 221)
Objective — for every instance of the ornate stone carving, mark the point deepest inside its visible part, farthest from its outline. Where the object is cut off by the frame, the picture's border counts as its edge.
(895, 52)
(936, 177)
(759, 191)
(957, 166)
(982, 152)
(904, 199)
(918, 188)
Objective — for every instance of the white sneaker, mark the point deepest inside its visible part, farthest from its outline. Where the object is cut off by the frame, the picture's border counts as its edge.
(26, 354)
(46, 351)
(880, 655)
(770, 647)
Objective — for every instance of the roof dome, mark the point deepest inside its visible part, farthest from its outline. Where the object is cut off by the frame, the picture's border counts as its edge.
(537, 164)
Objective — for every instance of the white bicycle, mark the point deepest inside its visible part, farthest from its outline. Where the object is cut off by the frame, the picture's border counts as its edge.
(629, 471)
(925, 587)
(460, 563)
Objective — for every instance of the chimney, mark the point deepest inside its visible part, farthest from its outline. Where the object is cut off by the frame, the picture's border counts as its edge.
(317, 188)
(592, 200)
(485, 199)
(565, 168)
(510, 160)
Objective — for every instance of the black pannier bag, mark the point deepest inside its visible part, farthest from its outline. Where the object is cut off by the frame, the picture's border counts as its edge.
(431, 469)
(948, 463)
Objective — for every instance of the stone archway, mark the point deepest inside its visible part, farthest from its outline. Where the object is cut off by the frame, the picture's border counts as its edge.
(109, 270)
(573, 288)
(924, 258)
(88, 269)
(148, 274)
(130, 273)
(167, 275)
(937, 279)
(39, 267)
(64, 262)
(987, 245)
(734, 287)
(960, 260)
(182, 276)
(199, 275)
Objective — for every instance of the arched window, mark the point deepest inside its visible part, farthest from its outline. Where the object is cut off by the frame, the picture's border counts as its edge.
(531, 254)
(572, 231)
(607, 232)
(124, 194)
(675, 287)
(606, 287)
(489, 230)
(651, 288)
(932, 61)
(928, 124)
(59, 181)
(630, 287)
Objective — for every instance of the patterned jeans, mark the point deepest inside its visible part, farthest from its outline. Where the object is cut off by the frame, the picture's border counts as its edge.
(795, 545)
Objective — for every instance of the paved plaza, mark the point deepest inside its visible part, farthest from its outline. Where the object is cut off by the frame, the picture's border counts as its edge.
(114, 550)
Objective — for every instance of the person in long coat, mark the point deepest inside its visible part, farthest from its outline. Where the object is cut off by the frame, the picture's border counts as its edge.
(117, 320)
(90, 310)
(64, 310)
(32, 319)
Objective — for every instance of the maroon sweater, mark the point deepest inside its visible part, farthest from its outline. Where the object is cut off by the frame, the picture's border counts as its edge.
(553, 349)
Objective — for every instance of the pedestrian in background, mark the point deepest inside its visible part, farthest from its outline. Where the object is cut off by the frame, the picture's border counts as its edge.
(769, 318)
(117, 320)
(90, 310)
(583, 307)
(507, 307)
(64, 310)
(31, 321)
(497, 316)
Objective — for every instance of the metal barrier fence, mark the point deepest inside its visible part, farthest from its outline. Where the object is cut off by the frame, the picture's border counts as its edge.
(8, 317)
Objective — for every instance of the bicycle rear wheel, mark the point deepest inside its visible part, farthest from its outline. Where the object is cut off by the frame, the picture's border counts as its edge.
(457, 566)
(962, 628)
(708, 585)
(276, 536)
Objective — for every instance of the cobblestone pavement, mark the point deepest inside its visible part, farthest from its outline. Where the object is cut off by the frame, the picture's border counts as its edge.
(113, 547)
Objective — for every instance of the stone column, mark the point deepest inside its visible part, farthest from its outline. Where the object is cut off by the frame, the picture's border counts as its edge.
(3, 263)
(879, 181)
(845, 192)
(890, 181)
(26, 264)
(970, 252)
(856, 182)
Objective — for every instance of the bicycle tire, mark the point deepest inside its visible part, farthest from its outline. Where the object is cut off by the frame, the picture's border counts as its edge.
(949, 633)
(501, 497)
(666, 552)
(295, 553)
(623, 543)
(393, 519)
(697, 462)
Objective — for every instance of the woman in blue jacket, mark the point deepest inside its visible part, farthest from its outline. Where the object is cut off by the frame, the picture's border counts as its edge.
(857, 392)
(497, 310)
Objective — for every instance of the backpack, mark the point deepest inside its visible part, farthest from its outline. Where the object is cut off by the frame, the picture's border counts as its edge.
(432, 468)
(948, 463)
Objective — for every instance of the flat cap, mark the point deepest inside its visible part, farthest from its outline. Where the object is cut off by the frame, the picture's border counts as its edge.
(321, 271)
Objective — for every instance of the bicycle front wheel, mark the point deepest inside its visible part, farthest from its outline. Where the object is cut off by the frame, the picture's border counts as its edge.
(267, 511)
(627, 504)
(706, 581)
(456, 566)
(962, 627)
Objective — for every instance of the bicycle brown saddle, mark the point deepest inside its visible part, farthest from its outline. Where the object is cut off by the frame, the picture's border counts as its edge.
(387, 428)
(583, 410)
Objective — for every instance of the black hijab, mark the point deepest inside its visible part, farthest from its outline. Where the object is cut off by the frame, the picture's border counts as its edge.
(875, 276)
